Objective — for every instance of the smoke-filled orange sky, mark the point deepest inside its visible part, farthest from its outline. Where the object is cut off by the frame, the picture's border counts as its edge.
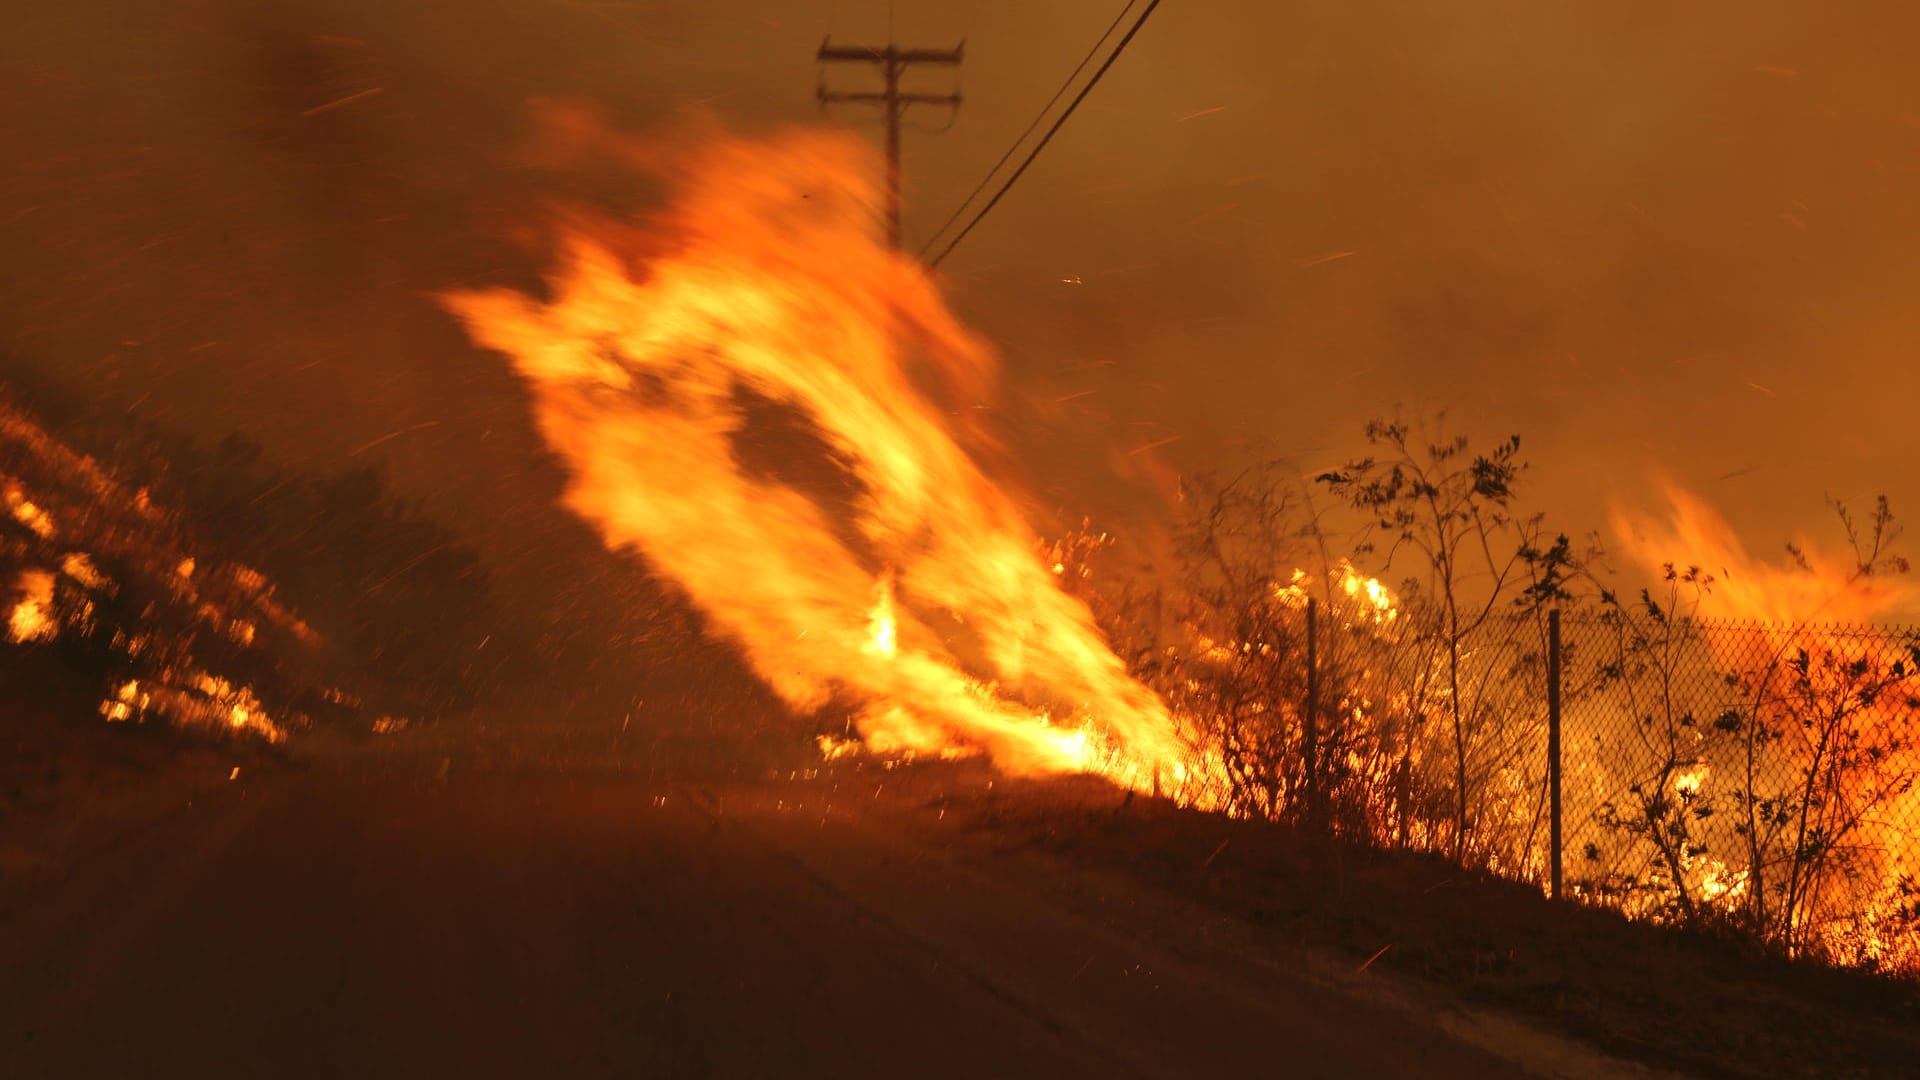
(1642, 235)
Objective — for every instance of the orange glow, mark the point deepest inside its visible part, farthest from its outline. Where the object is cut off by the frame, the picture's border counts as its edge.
(32, 618)
(767, 275)
(1370, 601)
(80, 516)
(1809, 601)
(1691, 533)
(25, 511)
(880, 622)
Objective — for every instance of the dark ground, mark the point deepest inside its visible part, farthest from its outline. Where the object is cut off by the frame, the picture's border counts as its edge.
(501, 922)
(504, 912)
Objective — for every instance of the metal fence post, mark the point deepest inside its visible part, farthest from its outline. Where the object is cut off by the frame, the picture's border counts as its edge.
(1312, 714)
(1553, 745)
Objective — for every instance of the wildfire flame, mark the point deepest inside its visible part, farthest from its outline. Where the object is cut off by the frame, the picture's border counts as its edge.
(1368, 600)
(77, 513)
(31, 618)
(1807, 598)
(765, 278)
(1690, 532)
(880, 621)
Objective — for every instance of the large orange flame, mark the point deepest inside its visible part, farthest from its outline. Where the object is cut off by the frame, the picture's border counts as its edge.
(764, 276)
(1822, 586)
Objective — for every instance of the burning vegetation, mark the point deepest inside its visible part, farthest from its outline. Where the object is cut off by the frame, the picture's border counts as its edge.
(181, 633)
(1729, 757)
(205, 590)
(775, 409)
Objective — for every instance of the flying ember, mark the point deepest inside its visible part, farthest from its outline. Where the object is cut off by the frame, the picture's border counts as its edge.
(765, 284)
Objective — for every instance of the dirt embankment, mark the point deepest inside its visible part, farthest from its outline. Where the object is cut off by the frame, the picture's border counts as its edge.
(1652, 994)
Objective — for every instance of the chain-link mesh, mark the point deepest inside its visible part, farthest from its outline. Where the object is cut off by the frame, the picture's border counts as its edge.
(1756, 776)
(1437, 728)
(1763, 776)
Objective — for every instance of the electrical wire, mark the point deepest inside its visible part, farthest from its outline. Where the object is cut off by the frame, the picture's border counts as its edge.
(1031, 128)
(1051, 132)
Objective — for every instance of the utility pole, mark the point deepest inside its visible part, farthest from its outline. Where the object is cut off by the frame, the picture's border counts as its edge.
(892, 62)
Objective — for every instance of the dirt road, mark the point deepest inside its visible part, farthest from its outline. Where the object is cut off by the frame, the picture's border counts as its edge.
(549, 925)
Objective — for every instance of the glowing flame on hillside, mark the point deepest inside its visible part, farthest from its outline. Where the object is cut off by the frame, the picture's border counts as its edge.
(1846, 717)
(77, 515)
(32, 616)
(1689, 532)
(765, 277)
(1368, 600)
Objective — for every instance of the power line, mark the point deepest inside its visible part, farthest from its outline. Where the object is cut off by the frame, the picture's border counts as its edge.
(1031, 128)
(1051, 132)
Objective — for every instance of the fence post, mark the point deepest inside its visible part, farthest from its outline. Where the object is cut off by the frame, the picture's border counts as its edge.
(1553, 745)
(1312, 714)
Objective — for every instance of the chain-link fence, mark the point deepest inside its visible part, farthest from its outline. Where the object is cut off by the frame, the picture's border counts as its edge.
(1757, 777)
(1760, 775)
